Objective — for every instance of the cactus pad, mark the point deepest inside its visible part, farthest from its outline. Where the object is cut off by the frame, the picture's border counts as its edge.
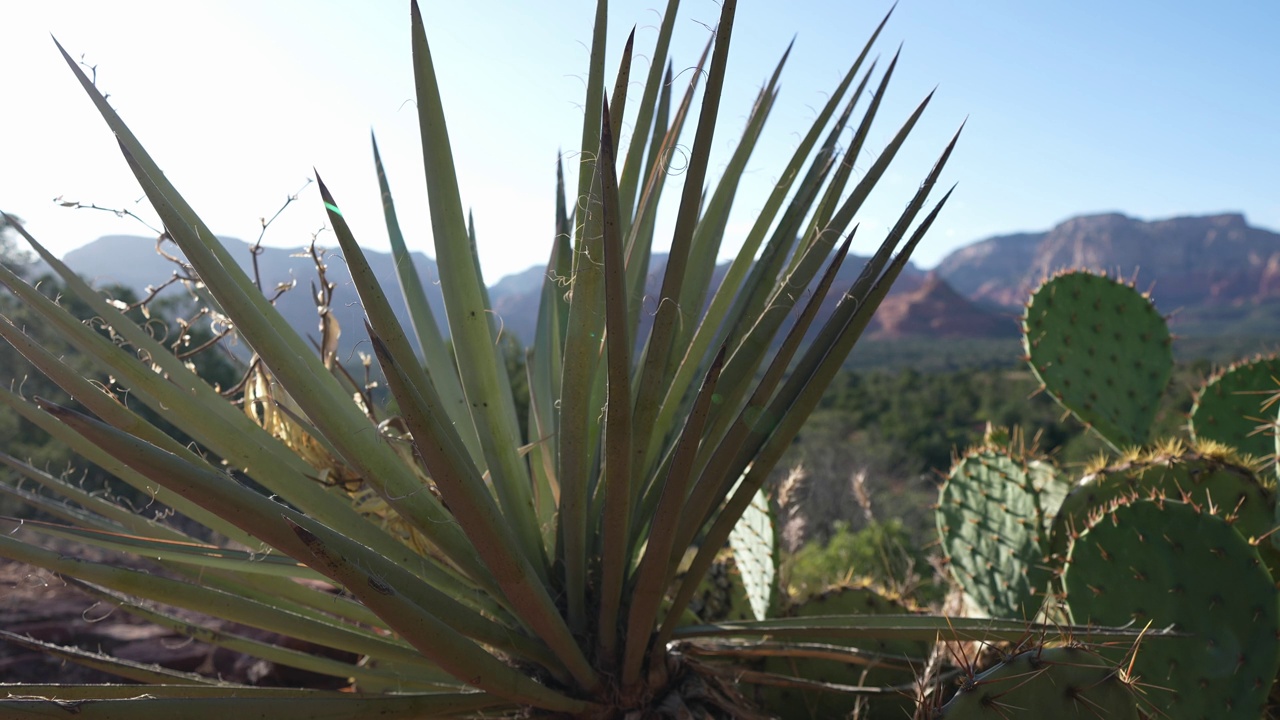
(755, 546)
(1171, 563)
(992, 530)
(1045, 684)
(1275, 537)
(1102, 351)
(1206, 476)
(1228, 407)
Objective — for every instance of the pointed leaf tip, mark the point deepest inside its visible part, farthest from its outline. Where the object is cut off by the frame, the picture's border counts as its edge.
(306, 536)
(718, 363)
(329, 203)
(45, 405)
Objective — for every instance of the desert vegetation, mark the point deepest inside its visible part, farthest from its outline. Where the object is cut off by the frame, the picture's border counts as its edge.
(708, 514)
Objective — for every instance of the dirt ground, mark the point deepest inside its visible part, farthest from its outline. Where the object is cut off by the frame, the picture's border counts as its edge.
(38, 604)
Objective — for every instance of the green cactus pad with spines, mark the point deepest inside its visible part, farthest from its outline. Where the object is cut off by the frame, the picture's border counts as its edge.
(992, 531)
(1102, 351)
(1228, 407)
(1046, 684)
(1175, 564)
(754, 543)
(1209, 476)
(1275, 537)
(885, 663)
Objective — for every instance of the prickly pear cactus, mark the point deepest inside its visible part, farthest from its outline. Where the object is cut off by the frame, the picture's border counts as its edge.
(867, 663)
(993, 533)
(1046, 684)
(1101, 349)
(1275, 537)
(1208, 475)
(1171, 563)
(1228, 407)
(754, 543)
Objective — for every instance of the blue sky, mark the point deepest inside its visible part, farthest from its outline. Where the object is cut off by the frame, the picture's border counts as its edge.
(1154, 109)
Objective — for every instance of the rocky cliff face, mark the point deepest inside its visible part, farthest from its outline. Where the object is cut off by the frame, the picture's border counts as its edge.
(935, 309)
(919, 305)
(978, 270)
(1186, 261)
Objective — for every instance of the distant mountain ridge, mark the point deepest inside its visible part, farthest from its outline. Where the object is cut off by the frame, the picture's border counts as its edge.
(1217, 265)
(133, 262)
(936, 310)
(1187, 262)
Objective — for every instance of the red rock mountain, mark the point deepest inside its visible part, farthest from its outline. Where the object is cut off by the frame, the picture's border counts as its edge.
(1215, 260)
(919, 305)
(1216, 265)
(936, 310)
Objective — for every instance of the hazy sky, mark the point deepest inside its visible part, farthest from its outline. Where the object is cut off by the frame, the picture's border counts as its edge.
(1149, 108)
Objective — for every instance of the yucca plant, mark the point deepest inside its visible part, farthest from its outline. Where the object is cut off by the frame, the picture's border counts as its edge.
(510, 566)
